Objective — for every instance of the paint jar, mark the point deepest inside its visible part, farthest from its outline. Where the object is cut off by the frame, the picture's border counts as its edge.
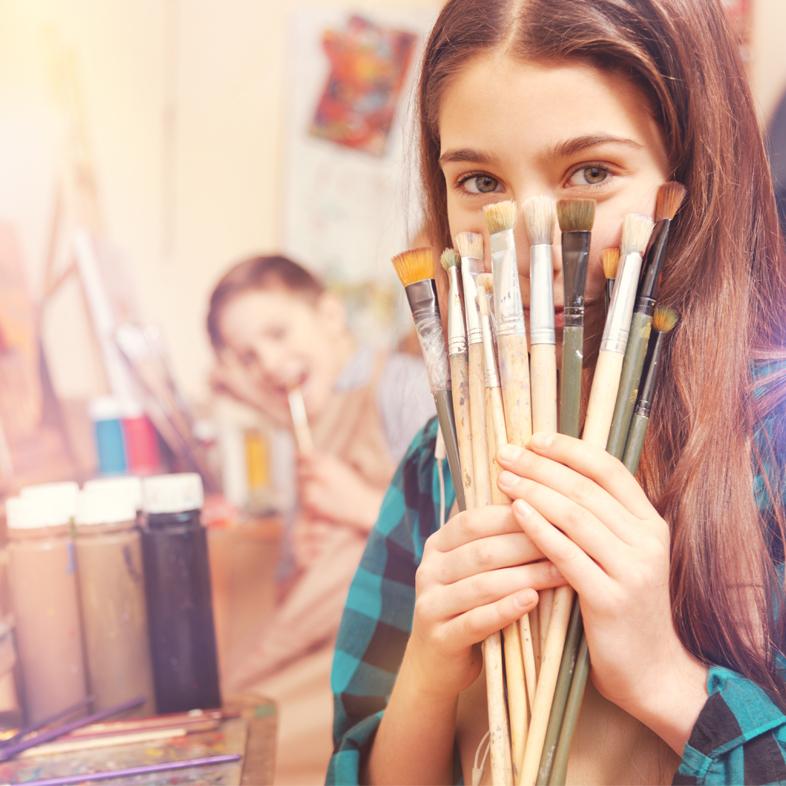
(112, 598)
(127, 486)
(106, 414)
(43, 588)
(141, 441)
(180, 610)
(60, 497)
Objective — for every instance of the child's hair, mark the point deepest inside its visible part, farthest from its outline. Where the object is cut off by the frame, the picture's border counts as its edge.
(259, 273)
(724, 275)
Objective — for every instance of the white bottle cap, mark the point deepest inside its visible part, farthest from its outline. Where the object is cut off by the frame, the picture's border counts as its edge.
(106, 408)
(172, 493)
(60, 497)
(129, 486)
(31, 512)
(104, 506)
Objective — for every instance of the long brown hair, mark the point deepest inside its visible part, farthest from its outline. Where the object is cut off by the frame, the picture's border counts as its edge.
(725, 276)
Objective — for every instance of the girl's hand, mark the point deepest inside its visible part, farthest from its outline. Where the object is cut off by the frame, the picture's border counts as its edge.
(478, 574)
(332, 490)
(585, 512)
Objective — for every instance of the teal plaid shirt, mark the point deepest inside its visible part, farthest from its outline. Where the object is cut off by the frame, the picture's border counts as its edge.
(740, 735)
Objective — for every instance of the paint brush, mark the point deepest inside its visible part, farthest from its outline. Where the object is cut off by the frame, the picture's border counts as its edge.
(636, 230)
(501, 735)
(54, 718)
(129, 772)
(511, 334)
(670, 197)
(575, 217)
(10, 751)
(470, 247)
(300, 427)
(459, 372)
(610, 260)
(540, 220)
(663, 322)
(415, 269)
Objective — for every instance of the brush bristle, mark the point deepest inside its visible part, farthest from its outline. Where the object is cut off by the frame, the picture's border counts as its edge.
(576, 215)
(485, 284)
(449, 259)
(670, 197)
(414, 265)
(470, 244)
(664, 319)
(636, 231)
(500, 216)
(610, 259)
(539, 218)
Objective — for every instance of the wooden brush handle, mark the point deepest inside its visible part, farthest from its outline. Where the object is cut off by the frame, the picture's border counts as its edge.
(459, 374)
(551, 658)
(603, 397)
(514, 379)
(543, 378)
(499, 733)
(477, 415)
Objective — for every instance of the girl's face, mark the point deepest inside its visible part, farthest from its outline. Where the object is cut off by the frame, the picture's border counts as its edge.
(282, 340)
(512, 129)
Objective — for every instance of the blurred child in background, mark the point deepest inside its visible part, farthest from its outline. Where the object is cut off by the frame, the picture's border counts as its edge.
(274, 328)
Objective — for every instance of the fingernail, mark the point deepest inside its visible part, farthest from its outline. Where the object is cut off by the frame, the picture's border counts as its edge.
(521, 509)
(508, 480)
(541, 440)
(509, 452)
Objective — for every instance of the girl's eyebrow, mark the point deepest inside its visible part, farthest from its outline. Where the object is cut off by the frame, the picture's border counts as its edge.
(570, 147)
(467, 155)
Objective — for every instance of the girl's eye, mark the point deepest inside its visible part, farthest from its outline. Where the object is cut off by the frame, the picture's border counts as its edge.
(592, 175)
(480, 184)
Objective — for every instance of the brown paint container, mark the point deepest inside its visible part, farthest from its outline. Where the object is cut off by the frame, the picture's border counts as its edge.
(112, 596)
(43, 589)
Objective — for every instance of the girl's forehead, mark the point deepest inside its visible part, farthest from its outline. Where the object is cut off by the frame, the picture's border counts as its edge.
(510, 104)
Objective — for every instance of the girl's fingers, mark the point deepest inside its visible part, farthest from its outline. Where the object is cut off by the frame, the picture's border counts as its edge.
(447, 601)
(580, 489)
(472, 525)
(478, 624)
(490, 553)
(597, 464)
(581, 526)
(584, 575)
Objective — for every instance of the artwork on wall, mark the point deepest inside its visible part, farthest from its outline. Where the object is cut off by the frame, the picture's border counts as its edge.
(368, 69)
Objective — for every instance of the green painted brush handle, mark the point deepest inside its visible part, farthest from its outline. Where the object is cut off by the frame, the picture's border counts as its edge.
(638, 430)
(632, 366)
(570, 379)
(447, 424)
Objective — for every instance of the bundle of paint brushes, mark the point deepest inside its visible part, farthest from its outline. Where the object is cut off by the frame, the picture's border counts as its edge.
(494, 386)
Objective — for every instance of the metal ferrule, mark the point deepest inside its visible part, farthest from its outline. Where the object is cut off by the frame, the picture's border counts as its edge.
(541, 296)
(457, 336)
(653, 259)
(644, 403)
(490, 373)
(623, 298)
(508, 311)
(575, 258)
(422, 297)
(471, 268)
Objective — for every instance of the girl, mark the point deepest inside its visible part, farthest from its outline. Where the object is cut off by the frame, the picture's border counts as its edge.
(677, 571)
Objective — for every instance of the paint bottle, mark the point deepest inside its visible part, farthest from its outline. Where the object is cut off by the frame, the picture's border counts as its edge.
(141, 441)
(112, 597)
(43, 588)
(179, 602)
(106, 414)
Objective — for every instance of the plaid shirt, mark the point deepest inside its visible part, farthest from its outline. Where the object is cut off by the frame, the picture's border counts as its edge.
(739, 737)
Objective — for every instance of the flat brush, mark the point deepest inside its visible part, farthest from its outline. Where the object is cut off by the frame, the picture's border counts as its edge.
(670, 197)
(470, 247)
(415, 269)
(459, 372)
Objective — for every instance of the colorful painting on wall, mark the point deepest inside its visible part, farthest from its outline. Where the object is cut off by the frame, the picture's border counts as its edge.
(368, 70)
